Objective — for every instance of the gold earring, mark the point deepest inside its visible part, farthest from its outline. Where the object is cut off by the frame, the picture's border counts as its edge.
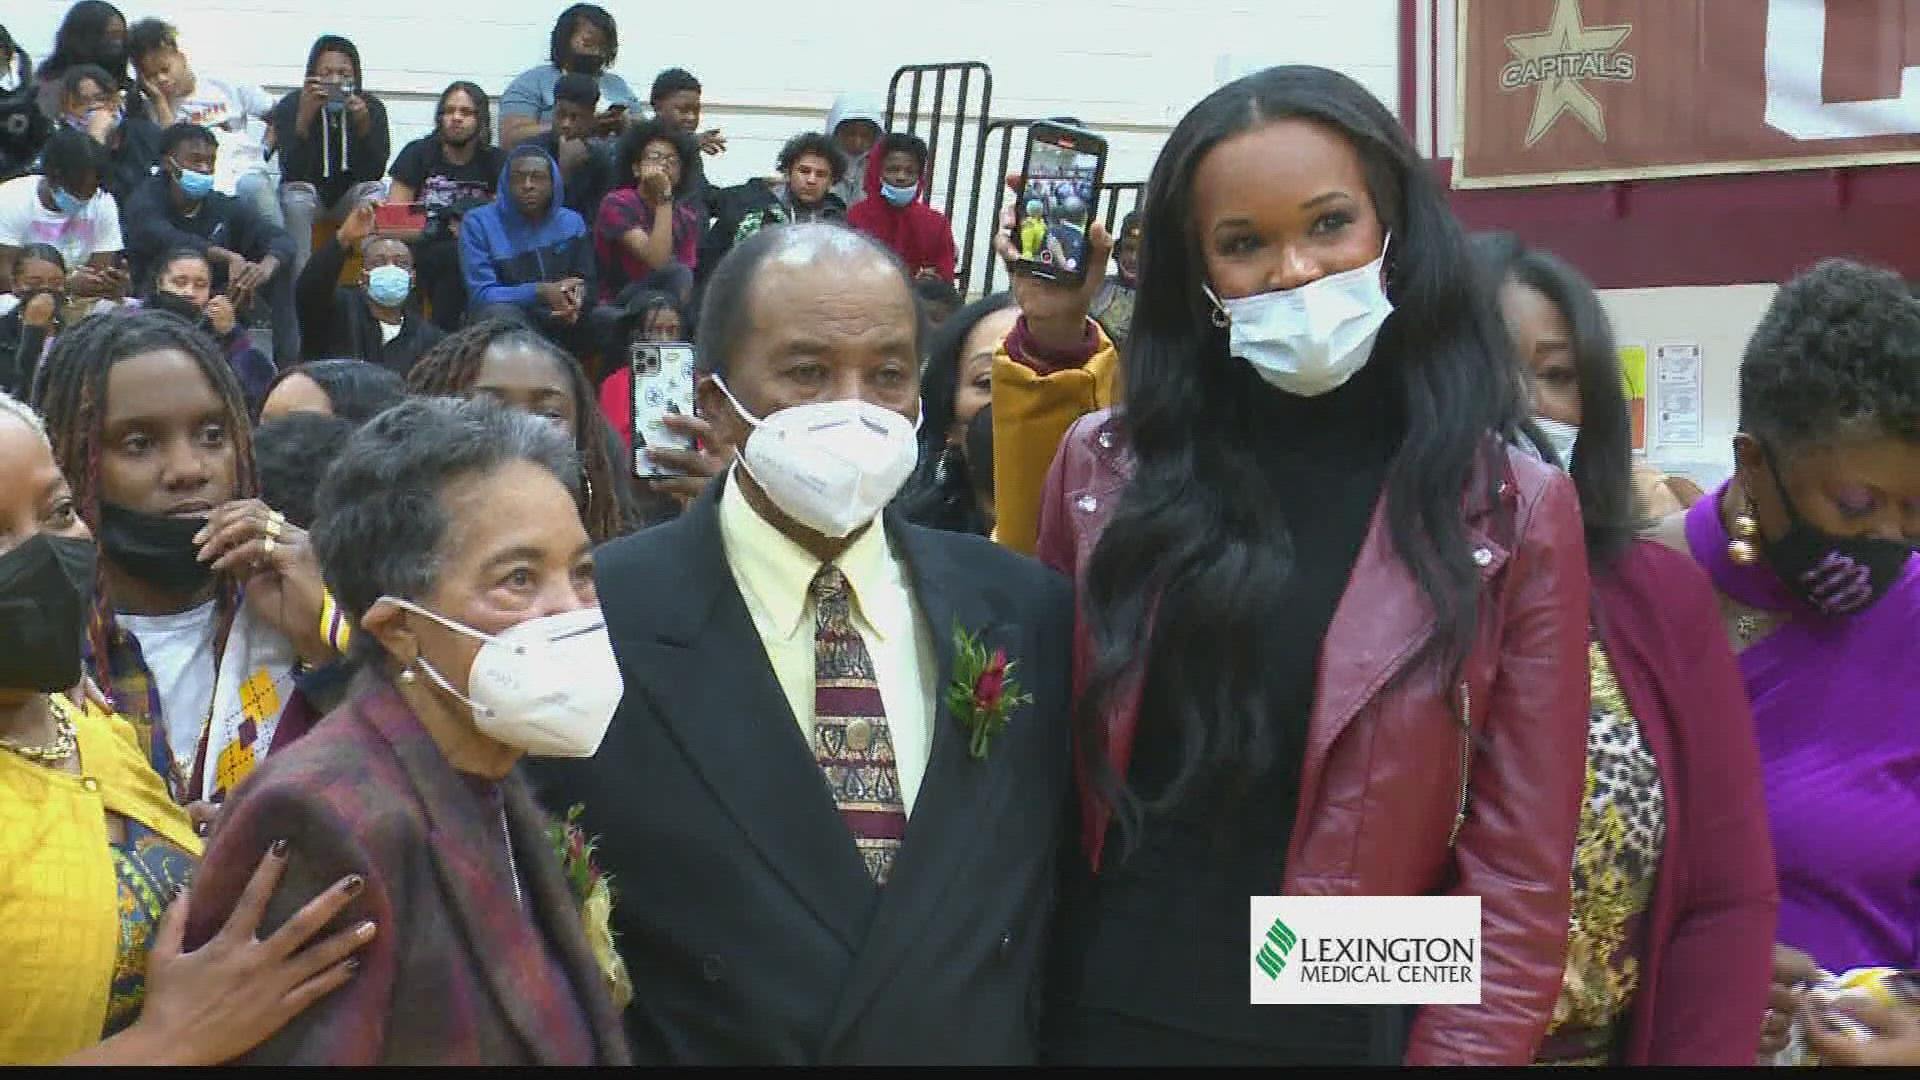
(1744, 548)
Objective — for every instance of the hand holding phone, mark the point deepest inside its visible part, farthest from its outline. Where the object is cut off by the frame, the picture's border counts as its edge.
(1054, 205)
(1056, 309)
(662, 387)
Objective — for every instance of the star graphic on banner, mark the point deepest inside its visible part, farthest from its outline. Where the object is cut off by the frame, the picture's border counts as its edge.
(1566, 38)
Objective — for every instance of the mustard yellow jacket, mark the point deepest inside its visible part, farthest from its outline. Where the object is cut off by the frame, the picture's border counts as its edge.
(1031, 414)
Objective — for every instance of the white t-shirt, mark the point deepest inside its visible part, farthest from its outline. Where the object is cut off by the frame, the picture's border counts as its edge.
(178, 650)
(388, 331)
(24, 220)
(237, 114)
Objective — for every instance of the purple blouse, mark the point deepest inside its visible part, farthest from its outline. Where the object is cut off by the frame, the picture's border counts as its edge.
(1836, 711)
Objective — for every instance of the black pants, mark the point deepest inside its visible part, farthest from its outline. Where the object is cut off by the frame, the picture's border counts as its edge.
(278, 293)
(438, 262)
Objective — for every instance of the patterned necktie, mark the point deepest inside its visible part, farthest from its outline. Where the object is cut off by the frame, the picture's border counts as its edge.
(850, 737)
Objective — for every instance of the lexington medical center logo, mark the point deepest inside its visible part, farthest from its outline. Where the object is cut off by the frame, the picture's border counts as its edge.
(1365, 950)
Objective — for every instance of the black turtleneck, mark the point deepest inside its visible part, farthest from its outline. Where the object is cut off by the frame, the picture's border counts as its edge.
(1153, 951)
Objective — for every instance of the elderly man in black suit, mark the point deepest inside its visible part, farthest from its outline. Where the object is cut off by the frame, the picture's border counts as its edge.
(821, 853)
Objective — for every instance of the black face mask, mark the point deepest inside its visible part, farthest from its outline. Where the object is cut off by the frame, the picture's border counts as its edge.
(1834, 575)
(155, 548)
(585, 63)
(46, 585)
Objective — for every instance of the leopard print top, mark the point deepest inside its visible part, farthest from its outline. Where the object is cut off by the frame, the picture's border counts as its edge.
(1623, 826)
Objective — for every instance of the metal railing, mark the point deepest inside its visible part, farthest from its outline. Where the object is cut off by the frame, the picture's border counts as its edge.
(953, 122)
(1112, 195)
(997, 149)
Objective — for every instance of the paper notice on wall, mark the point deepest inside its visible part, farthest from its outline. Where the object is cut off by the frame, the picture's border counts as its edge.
(1633, 372)
(1678, 396)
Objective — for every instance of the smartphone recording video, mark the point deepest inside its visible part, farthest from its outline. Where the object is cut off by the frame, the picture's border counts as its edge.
(1060, 179)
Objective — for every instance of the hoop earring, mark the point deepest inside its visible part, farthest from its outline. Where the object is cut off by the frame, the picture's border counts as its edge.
(1220, 318)
(405, 677)
(1744, 548)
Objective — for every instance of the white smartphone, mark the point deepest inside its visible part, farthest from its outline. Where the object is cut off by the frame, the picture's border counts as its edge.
(662, 386)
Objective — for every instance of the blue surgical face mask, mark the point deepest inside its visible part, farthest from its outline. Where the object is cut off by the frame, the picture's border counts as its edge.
(79, 123)
(194, 185)
(388, 286)
(66, 201)
(899, 196)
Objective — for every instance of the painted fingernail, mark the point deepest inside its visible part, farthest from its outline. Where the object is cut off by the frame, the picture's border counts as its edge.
(364, 930)
(354, 884)
(279, 848)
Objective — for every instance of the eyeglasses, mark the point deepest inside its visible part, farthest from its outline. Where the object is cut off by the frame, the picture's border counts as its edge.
(660, 159)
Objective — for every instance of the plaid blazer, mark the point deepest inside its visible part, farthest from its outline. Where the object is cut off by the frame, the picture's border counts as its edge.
(456, 973)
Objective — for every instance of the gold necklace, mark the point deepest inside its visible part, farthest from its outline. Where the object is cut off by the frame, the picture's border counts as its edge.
(64, 743)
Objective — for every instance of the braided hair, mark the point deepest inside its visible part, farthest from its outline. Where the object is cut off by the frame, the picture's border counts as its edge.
(449, 369)
(71, 396)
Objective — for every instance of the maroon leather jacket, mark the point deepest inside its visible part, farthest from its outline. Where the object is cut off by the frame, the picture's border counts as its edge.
(1395, 798)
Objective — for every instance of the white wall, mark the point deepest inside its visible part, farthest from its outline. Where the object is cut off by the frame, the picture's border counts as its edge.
(1718, 319)
(1129, 67)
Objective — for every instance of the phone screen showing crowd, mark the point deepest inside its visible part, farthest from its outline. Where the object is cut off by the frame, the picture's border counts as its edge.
(1056, 206)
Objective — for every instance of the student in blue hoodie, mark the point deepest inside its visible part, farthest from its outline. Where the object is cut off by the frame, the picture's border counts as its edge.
(527, 251)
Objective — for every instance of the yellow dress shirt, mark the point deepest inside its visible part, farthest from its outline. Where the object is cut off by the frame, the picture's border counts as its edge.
(774, 575)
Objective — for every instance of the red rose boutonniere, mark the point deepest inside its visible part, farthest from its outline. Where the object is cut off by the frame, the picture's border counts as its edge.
(983, 692)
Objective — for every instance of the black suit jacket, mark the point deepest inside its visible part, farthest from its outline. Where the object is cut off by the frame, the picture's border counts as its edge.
(748, 922)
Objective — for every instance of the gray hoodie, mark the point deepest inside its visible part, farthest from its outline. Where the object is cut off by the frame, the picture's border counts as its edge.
(855, 107)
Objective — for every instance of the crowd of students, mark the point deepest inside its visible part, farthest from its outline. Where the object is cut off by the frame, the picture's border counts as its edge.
(602, 197)
(980, 662)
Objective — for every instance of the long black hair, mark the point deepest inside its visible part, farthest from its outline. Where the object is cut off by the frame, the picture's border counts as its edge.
(1603, 455)
(81, 39)
(561, 41)
(327, 43)
(449, 369)
(939, 495)
(482, 111)
(1189, 576)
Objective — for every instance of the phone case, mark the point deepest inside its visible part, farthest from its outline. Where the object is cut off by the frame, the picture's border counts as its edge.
(1063, 167)
(662, 386)
(400, 216)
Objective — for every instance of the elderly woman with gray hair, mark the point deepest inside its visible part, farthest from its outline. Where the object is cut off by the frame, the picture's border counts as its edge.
(451, 535)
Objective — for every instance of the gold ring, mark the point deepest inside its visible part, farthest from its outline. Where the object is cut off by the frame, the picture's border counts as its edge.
(275, 523)
(266, 547)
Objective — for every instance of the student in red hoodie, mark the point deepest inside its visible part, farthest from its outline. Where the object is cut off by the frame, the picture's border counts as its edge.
(897, 178)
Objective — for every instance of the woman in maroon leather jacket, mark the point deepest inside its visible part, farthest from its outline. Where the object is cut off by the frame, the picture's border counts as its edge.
(1674, 898)
(1332, 626)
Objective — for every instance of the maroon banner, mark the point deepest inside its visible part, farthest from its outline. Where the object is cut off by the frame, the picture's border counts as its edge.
(1559, 91)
